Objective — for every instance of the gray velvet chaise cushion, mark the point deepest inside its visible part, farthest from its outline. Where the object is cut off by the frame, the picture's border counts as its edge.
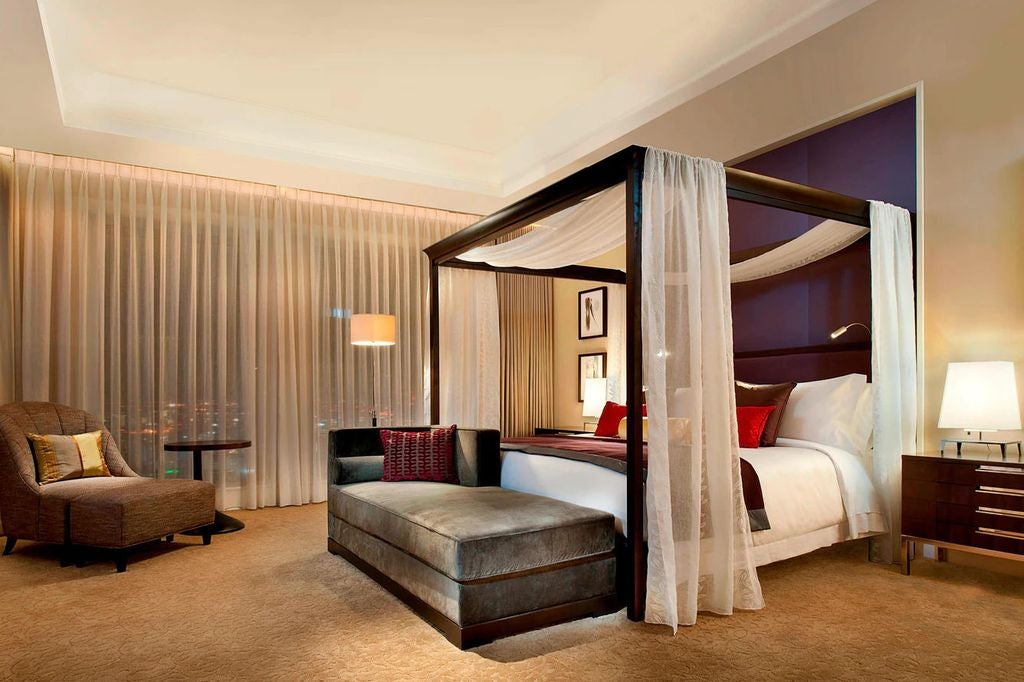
(474, 533)
(478, 602)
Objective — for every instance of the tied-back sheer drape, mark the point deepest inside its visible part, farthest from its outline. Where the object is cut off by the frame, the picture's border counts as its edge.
(893, 360)
(182, 306)
(470, 348)
(699, 555)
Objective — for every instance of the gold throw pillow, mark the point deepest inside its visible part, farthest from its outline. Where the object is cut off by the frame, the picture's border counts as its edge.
(61, 458)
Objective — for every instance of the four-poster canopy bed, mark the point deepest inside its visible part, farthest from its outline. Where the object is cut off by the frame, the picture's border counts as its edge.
(625, 167)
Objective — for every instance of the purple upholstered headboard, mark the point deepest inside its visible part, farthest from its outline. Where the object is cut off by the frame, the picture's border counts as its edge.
(803, 364)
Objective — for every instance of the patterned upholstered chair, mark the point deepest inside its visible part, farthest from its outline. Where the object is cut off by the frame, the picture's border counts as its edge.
(116, 512)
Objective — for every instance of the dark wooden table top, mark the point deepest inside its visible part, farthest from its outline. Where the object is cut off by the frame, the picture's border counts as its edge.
(1012, 457)
(191, 445)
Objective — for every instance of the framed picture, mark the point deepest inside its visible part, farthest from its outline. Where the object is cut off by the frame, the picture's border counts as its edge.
(593, 313)
(591, 366)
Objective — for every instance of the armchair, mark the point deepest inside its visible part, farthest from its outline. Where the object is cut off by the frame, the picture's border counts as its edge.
(118, 512)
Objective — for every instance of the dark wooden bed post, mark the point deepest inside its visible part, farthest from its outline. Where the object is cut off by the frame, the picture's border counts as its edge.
(435, 344)
(635, 388)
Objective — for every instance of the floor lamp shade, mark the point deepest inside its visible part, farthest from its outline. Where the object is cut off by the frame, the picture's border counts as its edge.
(373, 330)
(980, 396)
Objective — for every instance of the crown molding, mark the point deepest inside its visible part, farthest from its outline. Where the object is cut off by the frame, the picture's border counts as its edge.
(109, 103)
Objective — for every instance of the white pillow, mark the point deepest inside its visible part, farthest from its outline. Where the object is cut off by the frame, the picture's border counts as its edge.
(836, 412)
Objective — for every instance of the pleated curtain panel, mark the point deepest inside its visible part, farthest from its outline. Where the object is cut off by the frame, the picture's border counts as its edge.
(176, 305)
(527, 318)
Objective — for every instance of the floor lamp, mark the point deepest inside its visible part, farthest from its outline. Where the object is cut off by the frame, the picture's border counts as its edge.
(373, 330)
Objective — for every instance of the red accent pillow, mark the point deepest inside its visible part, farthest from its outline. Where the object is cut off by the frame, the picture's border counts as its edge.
(608, 424)
(611, 415)
(419, 455)
(752, 421)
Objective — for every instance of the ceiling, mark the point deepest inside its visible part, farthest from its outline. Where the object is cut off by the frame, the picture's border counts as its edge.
(484, 96)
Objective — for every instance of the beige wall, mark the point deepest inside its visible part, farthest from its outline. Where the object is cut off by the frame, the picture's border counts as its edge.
(967, 57)
(568, 410)
(30, 119)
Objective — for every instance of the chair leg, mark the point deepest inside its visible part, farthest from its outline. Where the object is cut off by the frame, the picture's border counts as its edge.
(207, 537)
(9, 546)
(121, 560)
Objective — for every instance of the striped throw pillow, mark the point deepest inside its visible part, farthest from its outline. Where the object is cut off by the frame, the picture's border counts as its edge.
(62, 458)
(419, 455)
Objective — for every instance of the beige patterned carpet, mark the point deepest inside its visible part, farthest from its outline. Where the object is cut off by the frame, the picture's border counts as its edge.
(271, 603)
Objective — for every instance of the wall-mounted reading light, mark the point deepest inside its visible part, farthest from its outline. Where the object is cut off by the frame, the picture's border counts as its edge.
(836, 333)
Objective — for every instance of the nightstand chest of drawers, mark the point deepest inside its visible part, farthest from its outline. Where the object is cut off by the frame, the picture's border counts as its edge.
(973, 503)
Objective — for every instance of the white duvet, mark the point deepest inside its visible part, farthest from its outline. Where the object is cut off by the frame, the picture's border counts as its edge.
(814, 494)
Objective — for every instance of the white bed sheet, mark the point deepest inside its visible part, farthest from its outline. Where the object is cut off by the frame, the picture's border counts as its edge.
(569, 480)
(811, 492)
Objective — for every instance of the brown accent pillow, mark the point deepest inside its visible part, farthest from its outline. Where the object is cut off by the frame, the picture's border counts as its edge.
(763, 395)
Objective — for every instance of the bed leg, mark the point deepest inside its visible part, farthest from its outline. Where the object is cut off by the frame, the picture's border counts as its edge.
(906, 548)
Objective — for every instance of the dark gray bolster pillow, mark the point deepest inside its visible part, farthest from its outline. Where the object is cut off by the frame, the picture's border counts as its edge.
(360, 469)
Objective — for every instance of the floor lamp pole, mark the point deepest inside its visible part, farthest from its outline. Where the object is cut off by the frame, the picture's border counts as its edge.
(373, 385)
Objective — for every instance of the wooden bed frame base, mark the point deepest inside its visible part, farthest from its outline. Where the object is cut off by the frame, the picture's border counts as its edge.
(467, 637)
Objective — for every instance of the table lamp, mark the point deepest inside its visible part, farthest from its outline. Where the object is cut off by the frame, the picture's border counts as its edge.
(980, 396)
(595, 395)
(373, 330)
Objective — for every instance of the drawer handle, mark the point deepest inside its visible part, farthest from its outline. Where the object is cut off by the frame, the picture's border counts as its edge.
(991, 469)
(993, 490)
(1000, 533)
(1009, 513)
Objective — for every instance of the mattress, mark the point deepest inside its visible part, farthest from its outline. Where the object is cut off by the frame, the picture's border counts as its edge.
(810, 492)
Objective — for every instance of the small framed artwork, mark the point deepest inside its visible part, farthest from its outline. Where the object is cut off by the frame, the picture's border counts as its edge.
(591, 366)
(593, 313)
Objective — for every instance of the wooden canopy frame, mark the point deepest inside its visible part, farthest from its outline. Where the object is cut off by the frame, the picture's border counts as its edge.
(624, 166)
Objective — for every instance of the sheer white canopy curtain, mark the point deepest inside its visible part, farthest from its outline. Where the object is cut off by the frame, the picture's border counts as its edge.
(893, 360)
(699, 555)
(184, 306)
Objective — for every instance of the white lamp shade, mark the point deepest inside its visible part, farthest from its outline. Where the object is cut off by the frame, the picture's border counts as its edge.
(980, 396)
(373, 330)
(595, 395)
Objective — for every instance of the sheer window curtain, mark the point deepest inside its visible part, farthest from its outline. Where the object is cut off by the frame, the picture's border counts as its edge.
(698, 533)
(184, 306)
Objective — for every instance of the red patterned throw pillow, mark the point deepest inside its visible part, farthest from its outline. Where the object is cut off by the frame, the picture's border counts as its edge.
(751, 422)
(419, 455)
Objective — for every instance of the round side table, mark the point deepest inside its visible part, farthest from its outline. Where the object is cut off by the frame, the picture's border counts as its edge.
(222, 523)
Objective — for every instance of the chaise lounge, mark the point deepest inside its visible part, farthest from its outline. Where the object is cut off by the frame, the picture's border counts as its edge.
(118, 512)
(476, 561)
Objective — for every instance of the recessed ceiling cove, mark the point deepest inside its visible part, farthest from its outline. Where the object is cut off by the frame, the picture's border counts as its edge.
(478, 95)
